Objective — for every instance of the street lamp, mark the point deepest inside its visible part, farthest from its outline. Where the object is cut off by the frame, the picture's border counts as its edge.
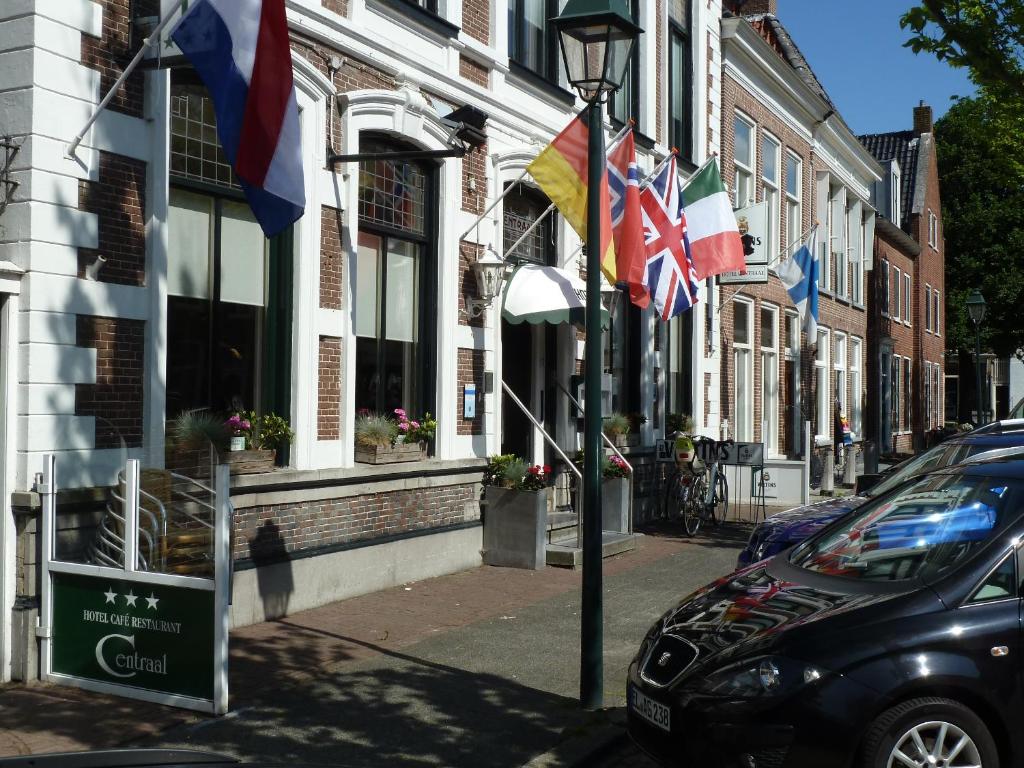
(597, 38)
(489, 271)
(976, 311)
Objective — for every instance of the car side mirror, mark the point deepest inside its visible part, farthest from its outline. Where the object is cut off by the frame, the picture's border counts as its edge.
(866, 482)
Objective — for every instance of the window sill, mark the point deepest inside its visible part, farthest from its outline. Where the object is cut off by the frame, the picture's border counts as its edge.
(428, 19)
(538, 82)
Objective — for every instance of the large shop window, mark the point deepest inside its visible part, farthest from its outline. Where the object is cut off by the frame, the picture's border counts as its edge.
(743, 369)
(532, 40)
(680, 81)
(394, 285)
(228, 287)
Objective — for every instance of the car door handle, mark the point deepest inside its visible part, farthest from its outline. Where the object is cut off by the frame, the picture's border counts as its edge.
(999, 651)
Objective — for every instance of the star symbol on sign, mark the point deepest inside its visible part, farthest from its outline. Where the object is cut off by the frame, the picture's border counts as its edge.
(131, 598)
(111, 595)
(152, 600)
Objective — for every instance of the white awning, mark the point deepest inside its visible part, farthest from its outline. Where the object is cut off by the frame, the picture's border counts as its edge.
(536, 294)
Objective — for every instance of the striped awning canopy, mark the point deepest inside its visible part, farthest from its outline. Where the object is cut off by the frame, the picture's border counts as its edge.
(536, 294)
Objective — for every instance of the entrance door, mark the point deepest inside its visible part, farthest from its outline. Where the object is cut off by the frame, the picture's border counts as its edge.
(517, 372)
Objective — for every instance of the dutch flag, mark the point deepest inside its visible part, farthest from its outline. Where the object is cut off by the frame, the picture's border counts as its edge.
(240, 50)
(800, 276)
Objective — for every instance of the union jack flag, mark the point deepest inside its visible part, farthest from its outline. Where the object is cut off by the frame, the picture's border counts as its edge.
(669, 274)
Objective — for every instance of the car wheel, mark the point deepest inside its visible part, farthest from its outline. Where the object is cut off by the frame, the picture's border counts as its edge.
(929, 733)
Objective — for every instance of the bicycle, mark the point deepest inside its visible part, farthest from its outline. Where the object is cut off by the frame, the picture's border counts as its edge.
(708, 489)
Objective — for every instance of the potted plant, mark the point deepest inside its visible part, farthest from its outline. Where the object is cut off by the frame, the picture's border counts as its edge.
(516, 512)
(238, 428)
(616, 481)
(679, 422)
(195, 438)
(386, 440)
(263, 436)
(616, 426)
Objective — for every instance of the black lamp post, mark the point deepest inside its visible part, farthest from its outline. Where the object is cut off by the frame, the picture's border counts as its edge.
(597, 38)
(976, 310)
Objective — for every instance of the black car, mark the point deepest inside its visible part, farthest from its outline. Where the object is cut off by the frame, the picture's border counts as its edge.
(890, 638)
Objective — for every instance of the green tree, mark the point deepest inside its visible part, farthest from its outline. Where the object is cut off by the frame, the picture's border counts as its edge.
(985, 36)
(980, 148)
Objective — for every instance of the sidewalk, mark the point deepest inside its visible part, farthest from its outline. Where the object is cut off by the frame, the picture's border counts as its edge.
(480, 667)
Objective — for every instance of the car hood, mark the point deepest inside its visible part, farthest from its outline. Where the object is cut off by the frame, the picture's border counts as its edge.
(800, 522)
(752, 612)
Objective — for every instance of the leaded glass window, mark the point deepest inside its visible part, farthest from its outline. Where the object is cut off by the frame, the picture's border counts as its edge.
(392, 194)
(196, 153)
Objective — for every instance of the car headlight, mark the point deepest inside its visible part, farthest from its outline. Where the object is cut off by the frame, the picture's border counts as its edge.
(766, 676)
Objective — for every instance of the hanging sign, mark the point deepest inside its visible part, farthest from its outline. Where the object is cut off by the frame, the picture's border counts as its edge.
(752, 223)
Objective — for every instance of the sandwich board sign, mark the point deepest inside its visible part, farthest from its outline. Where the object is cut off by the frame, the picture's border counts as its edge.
(131, 631)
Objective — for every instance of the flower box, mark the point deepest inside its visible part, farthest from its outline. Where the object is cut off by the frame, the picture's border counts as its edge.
(391, 454)
(615, 504)
(515, 527)
(249, 462)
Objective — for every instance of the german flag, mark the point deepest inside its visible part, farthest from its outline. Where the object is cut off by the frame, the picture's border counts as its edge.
(561, 171)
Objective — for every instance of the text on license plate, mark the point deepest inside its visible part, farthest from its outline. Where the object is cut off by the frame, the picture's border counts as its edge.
(650, 710)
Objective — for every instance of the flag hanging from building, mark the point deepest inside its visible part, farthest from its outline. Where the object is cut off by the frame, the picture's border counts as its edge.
(800, 276)
(715, 244)
(240, 50)
(669, 275)
(561, 171)
(627, 219)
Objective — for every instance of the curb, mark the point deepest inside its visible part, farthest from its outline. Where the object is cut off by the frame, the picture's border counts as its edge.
(600, 732)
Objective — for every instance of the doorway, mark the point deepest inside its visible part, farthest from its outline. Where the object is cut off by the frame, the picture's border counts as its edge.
(528, 367)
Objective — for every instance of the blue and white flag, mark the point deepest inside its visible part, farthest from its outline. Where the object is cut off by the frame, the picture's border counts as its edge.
(800, 276)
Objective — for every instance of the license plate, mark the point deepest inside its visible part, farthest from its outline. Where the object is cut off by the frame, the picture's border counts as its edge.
(650, 710)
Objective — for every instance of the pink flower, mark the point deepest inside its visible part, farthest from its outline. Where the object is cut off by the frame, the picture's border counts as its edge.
(415, 424)
(404, 426)
(399, 412)
(246, 425)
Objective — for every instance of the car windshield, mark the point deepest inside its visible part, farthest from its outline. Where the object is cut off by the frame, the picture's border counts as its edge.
(919, 532)
(940, 456)
(1018, 410)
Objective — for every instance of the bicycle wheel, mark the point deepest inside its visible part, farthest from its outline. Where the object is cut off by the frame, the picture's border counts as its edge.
(670, 498)
(693, 510)
(721, 498)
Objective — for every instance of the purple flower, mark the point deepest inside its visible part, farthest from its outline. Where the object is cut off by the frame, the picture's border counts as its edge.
(415, 424)
(246, 424)
(404, 426)
(399, 412)
(234, 421)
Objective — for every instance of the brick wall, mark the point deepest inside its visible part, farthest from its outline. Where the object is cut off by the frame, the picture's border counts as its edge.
(328, 409)
(471, 371)
(116, 397)
(475, 73)
(118, 199)
(109, 54)
(265, 532)
(331, 258)
(339, 7)
(476, 20)
(661, 65)
(468, 253)
(474, 166)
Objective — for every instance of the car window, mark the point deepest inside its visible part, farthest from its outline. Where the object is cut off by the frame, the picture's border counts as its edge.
(1018, 410)
(1000, 584)
(922, 531)
(944, 455)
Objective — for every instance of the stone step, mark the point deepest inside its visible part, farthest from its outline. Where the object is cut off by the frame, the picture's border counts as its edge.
(568, 555)
(559, 520)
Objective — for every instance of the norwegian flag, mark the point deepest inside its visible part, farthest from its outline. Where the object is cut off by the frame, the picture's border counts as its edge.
(669, 274)
(627, 220)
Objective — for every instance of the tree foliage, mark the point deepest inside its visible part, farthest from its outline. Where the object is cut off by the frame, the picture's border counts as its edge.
(985, 36)
(980, 146)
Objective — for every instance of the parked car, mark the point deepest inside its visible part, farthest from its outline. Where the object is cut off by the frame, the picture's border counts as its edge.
(785, 529)
(889, 638)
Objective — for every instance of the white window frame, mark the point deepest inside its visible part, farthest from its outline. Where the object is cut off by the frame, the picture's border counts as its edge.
(896, 277)
(839, 365)
(936, 314)
(927, 308)
(839, 214)
(908, 403)
(743, 376)
(933, 230)
(883, 300)
(894, 197)
(744, 167)
(794, 204)
(896, 402)
(770, 191)
(937, 392)
(792, 355)
(927, 395)
(770, 377)
(855, 249)
(823, 389)
(856, 383)
(908, 295)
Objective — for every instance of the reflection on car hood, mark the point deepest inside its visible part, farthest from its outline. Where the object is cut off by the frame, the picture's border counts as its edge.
(751, 613)
(800, 522)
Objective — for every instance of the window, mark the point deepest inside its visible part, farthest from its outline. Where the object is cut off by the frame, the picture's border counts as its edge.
(908, 397)
(839, 363)
(793, 409)
(928, 308)
(928, 394)
(394, 289)
(936, 313)
(883, 287)
(1000, 584)
(770, 378)
(624, 103)
(856, 391)
(680, 337)
(933, 230)
(743, 368)
(227, 313)
(794, 211)
(770, 149)
(532, 41)
(837, 225)
(841, 250)
(894, 293)
(520, 210)
(894, 197)
(621, 357)
(855, 238)
(894, 401)
(679, 84)
(907, 295)
(821, 384)
(743, 188)
(937, 391)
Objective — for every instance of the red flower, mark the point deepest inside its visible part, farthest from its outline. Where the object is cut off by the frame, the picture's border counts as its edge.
(547, 469)
(534, 470)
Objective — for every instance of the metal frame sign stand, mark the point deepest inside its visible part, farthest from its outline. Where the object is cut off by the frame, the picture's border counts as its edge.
(157, 637)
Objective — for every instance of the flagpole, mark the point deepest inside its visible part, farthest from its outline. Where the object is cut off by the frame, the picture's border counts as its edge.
(512, 248)
(153, 36)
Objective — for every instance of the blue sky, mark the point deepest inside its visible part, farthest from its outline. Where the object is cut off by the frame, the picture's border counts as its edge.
(855, 48)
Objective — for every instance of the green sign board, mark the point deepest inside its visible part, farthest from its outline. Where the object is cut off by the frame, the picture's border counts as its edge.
(151, 637)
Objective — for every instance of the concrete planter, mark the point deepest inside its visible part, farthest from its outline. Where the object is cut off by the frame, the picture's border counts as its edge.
(515, 527)
(615, 504)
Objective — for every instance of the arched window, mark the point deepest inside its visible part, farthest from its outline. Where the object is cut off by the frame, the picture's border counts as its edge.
(395, 283)
(522, 207)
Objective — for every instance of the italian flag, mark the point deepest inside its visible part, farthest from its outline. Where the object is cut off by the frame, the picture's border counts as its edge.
(715, 245)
